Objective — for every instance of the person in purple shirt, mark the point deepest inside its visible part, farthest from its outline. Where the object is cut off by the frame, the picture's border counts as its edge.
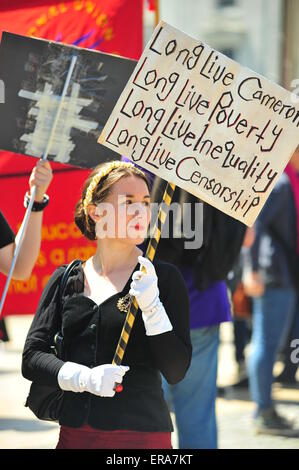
(204, 271)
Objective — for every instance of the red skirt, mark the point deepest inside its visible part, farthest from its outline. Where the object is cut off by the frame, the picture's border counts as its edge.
(87, 437)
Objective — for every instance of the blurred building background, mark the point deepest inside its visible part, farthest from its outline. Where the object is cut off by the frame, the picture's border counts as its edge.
(263, 35)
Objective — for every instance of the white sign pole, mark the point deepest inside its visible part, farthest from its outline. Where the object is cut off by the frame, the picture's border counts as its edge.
(32, 196)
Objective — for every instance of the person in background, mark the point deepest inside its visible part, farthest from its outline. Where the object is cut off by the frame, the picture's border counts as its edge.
(287, 354)
(270, 281)
(204, 270)
(40, 177)
(242, 310)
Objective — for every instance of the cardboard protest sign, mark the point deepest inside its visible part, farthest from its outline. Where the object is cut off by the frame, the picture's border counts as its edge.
(205, 123)
(34, 72)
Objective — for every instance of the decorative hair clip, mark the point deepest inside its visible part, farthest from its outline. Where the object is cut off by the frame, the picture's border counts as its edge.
(98, 176)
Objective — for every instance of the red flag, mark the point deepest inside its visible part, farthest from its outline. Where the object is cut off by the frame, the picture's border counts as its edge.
(113, 26)
(61, 240)
(152, 5)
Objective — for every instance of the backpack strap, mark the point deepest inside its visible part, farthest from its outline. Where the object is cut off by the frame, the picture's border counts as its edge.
(65, 276)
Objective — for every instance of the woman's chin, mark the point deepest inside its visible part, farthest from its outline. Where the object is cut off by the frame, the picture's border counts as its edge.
(129, 240)
(135, 240)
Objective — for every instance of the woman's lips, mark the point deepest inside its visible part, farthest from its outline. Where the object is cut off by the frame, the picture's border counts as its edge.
(139, 227)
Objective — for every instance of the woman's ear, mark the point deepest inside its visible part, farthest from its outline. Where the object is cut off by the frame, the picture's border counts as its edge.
(92, 212)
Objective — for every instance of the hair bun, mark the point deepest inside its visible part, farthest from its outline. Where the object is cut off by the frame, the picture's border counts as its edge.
(86, 226)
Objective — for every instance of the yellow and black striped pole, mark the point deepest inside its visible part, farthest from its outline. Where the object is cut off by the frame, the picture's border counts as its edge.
(150, 253)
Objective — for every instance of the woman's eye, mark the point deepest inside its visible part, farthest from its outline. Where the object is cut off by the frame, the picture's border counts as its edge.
(146, 203)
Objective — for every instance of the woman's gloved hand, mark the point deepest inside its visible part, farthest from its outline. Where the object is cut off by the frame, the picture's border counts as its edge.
(100, 380)
(144, 287)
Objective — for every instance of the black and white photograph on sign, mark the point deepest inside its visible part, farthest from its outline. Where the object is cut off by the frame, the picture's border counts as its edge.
(196, 118)
(34, 72)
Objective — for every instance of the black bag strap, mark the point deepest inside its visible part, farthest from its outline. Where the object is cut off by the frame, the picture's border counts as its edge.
(65, 276)
(58, 346)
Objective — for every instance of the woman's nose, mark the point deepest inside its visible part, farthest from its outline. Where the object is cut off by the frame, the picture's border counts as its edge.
(138, 209)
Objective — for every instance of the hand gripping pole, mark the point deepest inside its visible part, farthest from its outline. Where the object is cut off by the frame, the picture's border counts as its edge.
(150, 253)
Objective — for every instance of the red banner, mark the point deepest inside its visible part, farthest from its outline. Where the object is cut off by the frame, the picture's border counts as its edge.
(152, 5)
(113, 26)
(61, 239)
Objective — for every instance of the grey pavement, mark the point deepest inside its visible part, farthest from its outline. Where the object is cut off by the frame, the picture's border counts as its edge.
(19, 429)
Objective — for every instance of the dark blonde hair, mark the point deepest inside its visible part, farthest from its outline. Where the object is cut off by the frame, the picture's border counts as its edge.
(83, 221)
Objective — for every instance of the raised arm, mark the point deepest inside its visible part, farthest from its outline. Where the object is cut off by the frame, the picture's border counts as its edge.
(41, 177)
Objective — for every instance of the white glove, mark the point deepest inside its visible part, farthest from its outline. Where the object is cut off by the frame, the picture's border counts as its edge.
(144, 287)
(99, 381)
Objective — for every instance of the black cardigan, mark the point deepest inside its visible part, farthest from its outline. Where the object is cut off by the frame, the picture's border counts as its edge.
(91, 333)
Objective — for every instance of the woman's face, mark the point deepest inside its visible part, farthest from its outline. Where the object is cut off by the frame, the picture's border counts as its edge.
(125, 213)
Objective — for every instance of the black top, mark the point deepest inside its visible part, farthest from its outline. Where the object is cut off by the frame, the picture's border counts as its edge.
(275, 236)
(91, 335)
(7, 236)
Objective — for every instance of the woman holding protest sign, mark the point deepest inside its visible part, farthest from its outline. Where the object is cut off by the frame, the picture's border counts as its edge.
(115, 211)
(41, 177)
